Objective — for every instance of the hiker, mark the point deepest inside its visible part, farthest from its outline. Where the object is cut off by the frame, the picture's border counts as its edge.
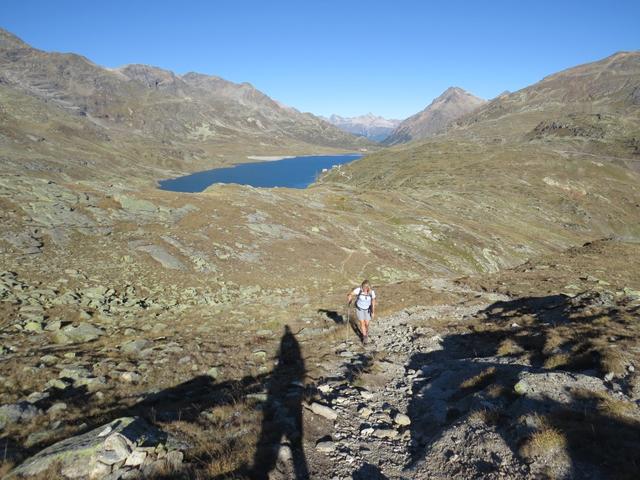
(365, 306)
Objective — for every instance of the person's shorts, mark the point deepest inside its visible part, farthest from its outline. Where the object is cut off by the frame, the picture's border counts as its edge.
(363, 315)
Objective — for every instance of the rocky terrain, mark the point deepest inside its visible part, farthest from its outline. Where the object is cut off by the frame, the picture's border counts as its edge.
(452, 104)
(373, 127)
(154, 334)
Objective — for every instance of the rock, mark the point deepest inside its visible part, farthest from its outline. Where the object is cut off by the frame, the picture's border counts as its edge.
(131, 377)
(136, 458)
(174, 459)
(83, 333)
(74, 372)
(388, 433)
(53, 326)
(35, 397)
(284, 453)
(17, 413)
(323, 411)
(365, 412)
(366, 394)
(609, 376)
(81, 455)
(402, 420)
(325, 446)
(56, 408)
(325, 388)
(213, 372)
(93, 384)
(49, 360)
(135, 347)
(162, 256)
(33, 326)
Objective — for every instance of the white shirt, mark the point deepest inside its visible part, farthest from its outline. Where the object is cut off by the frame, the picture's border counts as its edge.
(363, 300)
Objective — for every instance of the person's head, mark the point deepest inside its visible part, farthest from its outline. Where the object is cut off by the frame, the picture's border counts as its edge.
(366, 286)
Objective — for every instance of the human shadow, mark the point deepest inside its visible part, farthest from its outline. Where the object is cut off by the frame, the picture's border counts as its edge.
(504, 372)
(282, 412)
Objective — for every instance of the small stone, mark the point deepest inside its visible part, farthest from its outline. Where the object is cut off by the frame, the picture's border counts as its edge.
(325, 388)
(325, 446)
(49, 360)
(57, 408)
(135, 347)
(402, 420)
(136, 458)
(131, 377)
(99, 470)
(74, 372)
(53, 326)
(174, 459)
(367, 395)
(35, 327)
(365, 412)
(323, 411)
(388, 433)
(609, 376)
(284, 453)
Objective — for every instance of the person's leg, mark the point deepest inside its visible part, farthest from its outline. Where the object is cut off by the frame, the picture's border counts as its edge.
(364, 327)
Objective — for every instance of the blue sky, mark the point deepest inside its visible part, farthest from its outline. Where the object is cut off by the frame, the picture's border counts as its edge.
(347, 57)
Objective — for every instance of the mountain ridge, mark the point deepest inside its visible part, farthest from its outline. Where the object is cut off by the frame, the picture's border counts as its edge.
(371, 126)
(450, 105)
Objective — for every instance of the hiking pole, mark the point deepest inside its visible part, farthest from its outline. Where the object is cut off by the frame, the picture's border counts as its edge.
(348, 306)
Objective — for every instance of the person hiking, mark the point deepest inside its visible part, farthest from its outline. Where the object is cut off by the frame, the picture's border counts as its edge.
(365, 302)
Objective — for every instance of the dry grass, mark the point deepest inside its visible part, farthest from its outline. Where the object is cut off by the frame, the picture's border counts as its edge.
(484, 416)
(509, 347)
(480, 380)
(557, 361)
(544, 442)
(231, 449)
(5, 467)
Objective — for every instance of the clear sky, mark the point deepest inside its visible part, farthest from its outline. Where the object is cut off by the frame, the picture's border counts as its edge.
(345, 56)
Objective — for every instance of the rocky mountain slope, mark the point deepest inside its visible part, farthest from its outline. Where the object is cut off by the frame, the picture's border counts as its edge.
(371, 126)
(214, 323)
(56, 101)
(452, 104)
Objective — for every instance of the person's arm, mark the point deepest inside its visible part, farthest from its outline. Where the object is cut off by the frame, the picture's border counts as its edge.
(351, 294)
(373, 308)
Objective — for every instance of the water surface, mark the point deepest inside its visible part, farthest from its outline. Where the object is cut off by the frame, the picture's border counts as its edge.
(295, 172)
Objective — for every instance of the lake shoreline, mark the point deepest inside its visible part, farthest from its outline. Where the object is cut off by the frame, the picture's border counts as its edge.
(268, 171)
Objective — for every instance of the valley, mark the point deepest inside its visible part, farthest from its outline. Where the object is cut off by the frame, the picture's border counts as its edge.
(503, 248)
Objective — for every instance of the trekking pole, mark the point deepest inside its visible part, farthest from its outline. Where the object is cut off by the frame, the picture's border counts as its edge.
(348, 322)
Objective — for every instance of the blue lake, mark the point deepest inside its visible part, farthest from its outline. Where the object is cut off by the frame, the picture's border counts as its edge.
(296, 172)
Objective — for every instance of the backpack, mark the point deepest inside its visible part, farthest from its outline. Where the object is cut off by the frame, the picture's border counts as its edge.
(361, 293)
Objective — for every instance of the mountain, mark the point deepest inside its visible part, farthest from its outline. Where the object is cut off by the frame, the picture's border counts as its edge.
(199, 316)
(451, 105)
(596, 104)
(371, 126)
(189, 118)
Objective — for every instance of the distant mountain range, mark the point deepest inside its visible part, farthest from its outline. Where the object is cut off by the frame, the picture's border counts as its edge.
(370, 126)
(452, 104)
(179, 118)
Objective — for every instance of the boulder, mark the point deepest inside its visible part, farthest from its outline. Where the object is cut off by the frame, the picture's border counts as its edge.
(102, 451)
(17, 413)
(135, 347)
(83, 333)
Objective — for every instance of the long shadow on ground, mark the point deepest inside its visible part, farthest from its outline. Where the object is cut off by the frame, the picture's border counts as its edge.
(502, 369)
